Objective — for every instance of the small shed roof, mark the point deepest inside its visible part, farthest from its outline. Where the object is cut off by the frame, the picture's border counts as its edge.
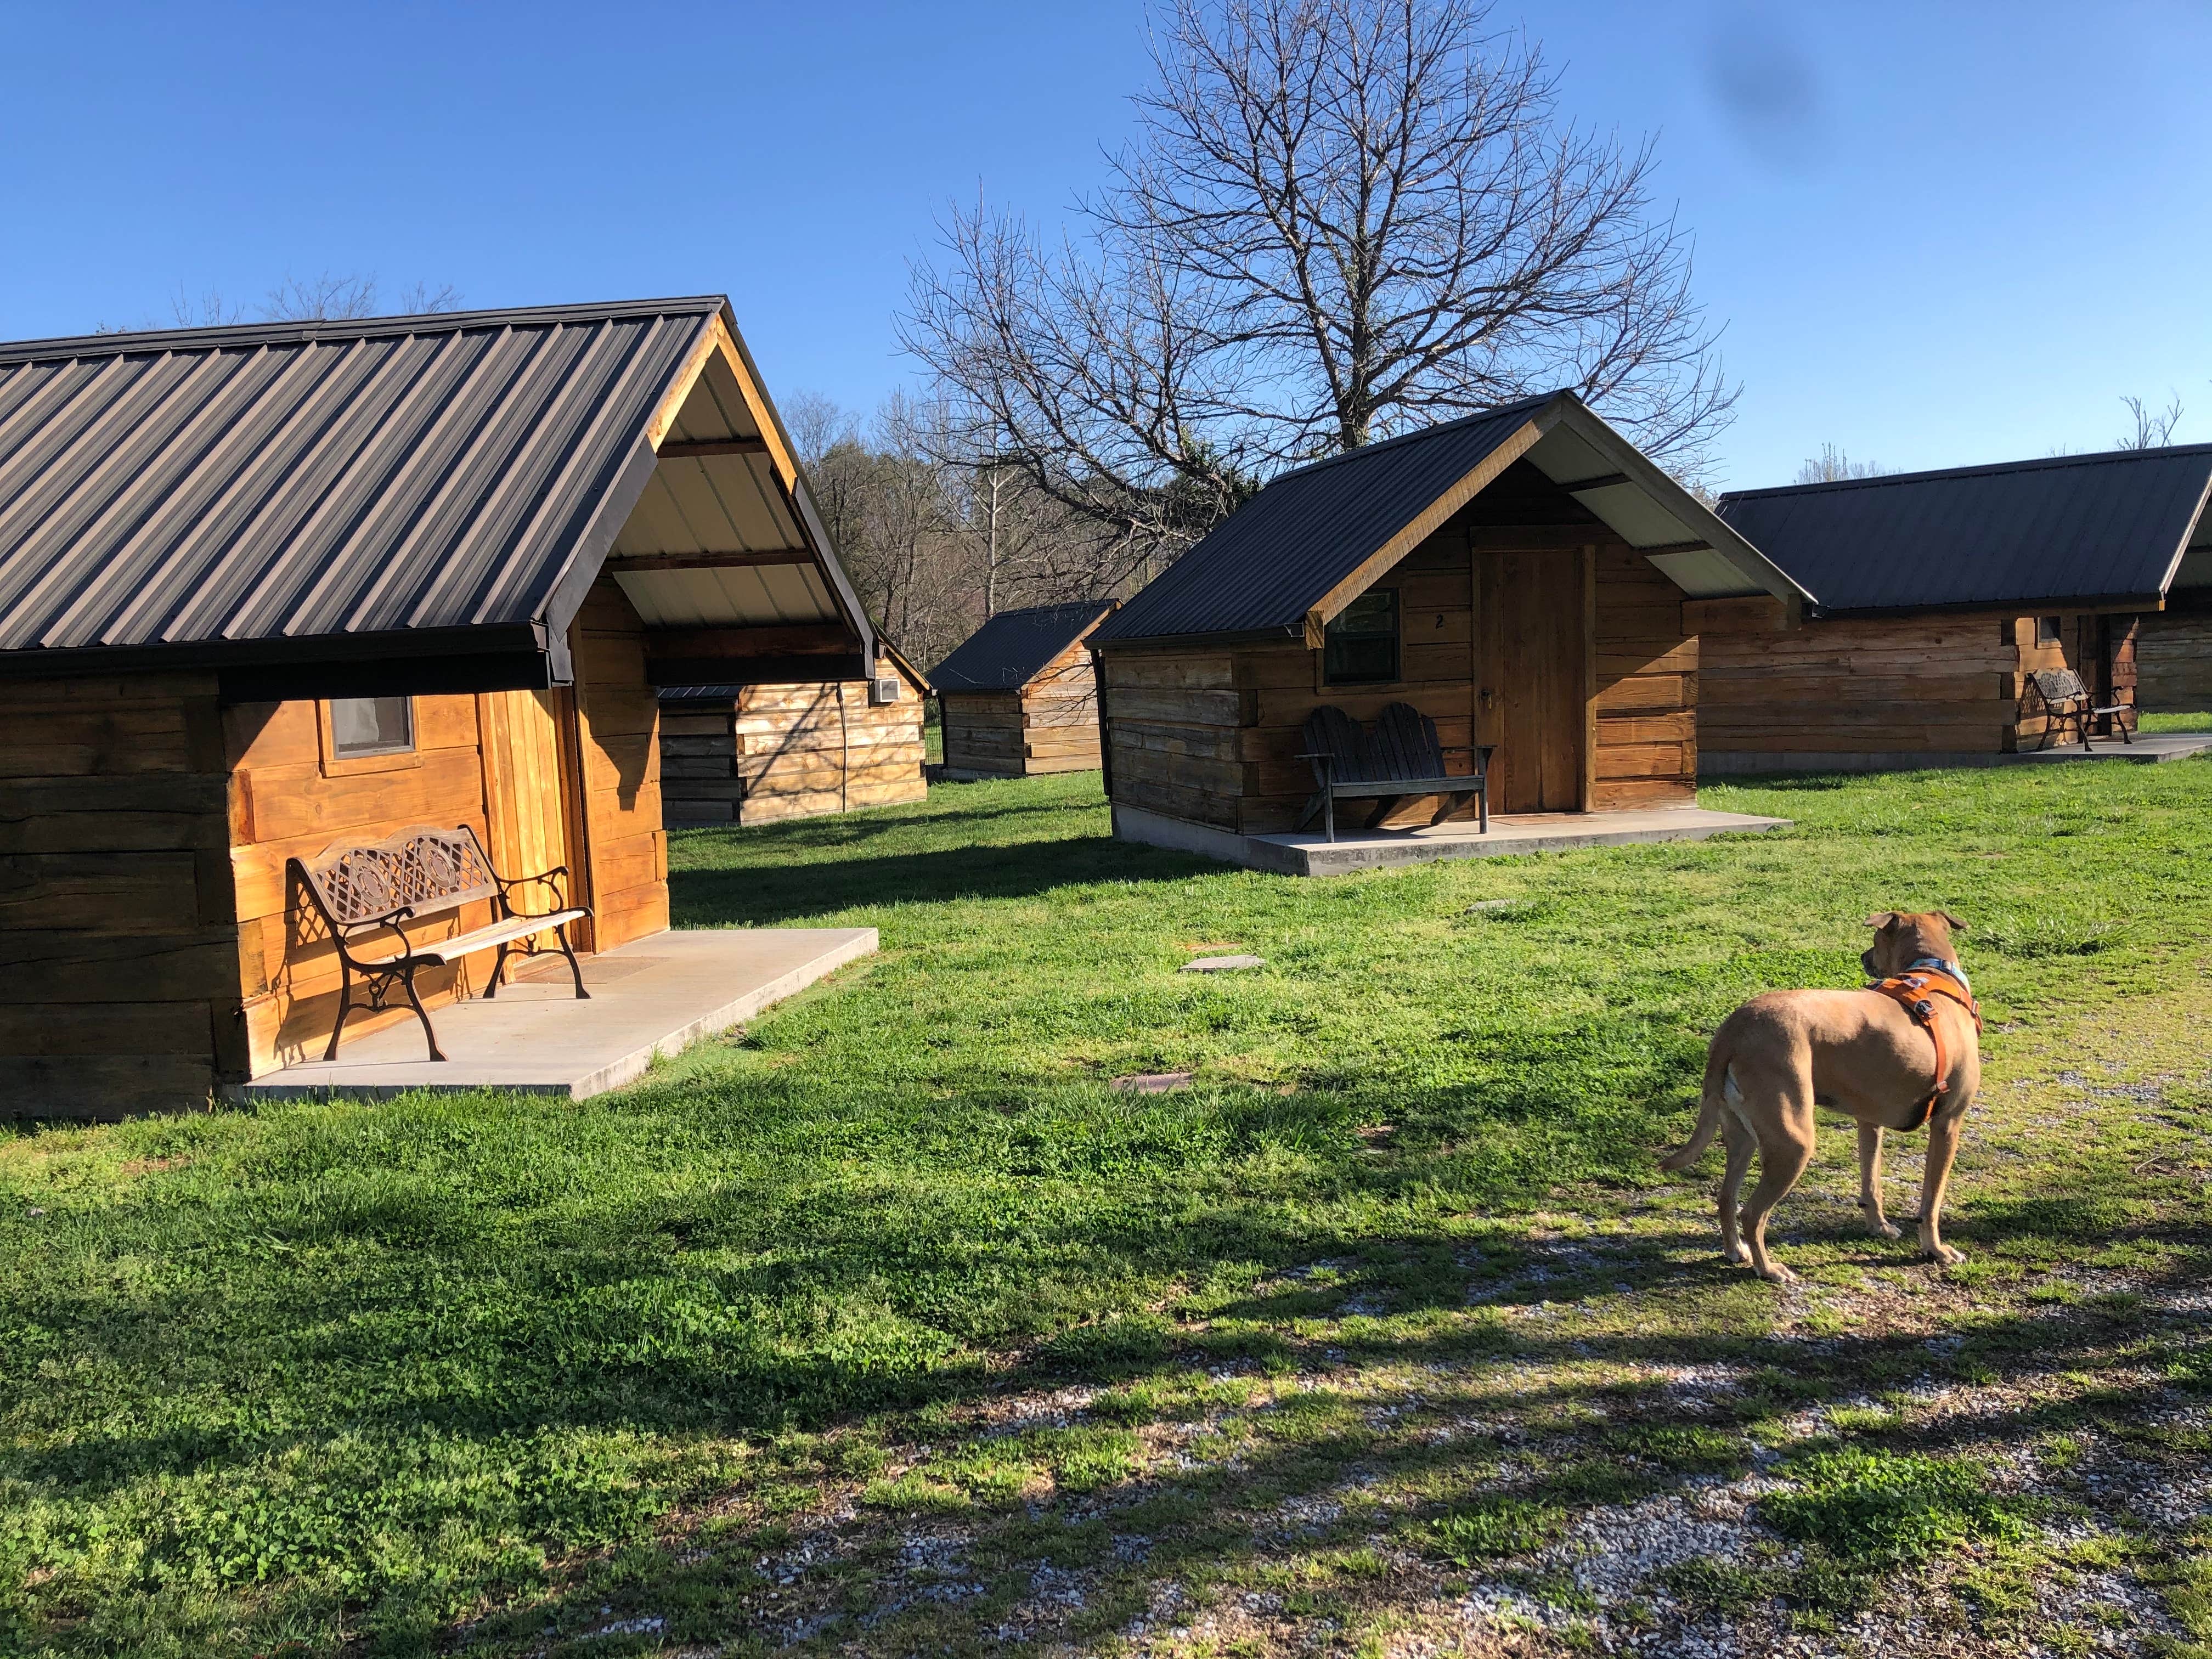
(1013, 648)
(1316, 537)
(386, 488)
(2068, 529)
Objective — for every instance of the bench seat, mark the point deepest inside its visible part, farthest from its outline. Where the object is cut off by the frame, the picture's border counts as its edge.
(444, 952)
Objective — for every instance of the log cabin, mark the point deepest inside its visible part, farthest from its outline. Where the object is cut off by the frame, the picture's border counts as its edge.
(264, 589)
(1525, 576)
(753, 754)
(1940, 593)
(1018, 695)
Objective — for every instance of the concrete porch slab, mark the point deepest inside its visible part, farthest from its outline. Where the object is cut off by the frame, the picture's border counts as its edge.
(651, 996)
(2147, 750)
(1357, 849)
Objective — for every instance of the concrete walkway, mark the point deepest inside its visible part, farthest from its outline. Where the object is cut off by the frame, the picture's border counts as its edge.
(1359, 849)
(2147, 750)
(655, 996)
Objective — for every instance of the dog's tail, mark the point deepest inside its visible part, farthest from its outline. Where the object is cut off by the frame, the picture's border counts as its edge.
(1709, 1107)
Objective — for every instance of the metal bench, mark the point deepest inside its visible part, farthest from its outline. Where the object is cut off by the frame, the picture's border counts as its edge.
(364, 889)
(1399, 761)
(2065, 698)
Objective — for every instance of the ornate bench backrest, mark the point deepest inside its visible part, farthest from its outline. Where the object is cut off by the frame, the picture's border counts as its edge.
(2058, 684)
(423, 869)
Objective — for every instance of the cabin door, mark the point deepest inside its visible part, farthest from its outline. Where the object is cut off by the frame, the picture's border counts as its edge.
(527, 796)
(1532, 675)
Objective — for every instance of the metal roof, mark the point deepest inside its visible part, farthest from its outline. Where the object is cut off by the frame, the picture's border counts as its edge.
(386, 487)
(1014, 647)
(2067, 530)
(1307, 535)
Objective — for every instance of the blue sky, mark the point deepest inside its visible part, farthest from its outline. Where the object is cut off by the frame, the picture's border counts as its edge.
(1937, 234)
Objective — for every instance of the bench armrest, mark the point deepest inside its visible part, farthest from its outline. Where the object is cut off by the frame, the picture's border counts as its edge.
(507, 884)
(352, 933)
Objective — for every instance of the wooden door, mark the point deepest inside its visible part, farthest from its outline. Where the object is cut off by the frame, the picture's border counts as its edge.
(527, 795)
(1532, 696)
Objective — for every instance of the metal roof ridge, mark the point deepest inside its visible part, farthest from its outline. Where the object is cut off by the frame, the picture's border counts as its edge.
(312, 330)
(1980, 469)
(1437, 430)
(1057, 605)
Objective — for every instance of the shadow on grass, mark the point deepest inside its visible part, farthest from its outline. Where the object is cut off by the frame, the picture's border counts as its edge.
(755, 894)
(1085, 1563)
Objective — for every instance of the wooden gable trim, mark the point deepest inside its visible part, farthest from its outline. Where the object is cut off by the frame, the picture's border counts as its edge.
(1431, 520)
(679, 389)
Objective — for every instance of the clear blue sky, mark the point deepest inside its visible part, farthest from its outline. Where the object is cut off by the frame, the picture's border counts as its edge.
(1938, 233)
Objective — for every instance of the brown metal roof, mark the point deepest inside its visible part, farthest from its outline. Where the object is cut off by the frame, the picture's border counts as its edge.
(1315, 537)
(1014, 647)
(401, 486)
(2065, 530)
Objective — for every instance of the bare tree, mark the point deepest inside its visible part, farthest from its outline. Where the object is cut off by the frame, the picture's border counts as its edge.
(2153, 428)
(207, 309)
(1338, 220)
(1832, 465)
(817, 423)
(344, 298)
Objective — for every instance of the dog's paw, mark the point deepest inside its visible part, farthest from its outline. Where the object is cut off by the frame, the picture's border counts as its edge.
(1887, 1229)
(1943, 1255)
(1735, 1256)
(1775, 1273)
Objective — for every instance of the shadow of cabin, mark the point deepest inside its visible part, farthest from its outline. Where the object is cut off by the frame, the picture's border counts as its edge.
(1942, 593)
(1523, 577)
(236, 637)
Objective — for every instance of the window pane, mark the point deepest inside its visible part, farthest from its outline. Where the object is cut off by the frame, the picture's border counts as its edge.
(2046, 630)
(1362, 644)
(371, 725)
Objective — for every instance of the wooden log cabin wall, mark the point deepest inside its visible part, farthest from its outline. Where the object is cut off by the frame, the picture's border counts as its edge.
(118, 927)
(1049, 725)
(2173, 655)
(1872, 692)
(754, 754)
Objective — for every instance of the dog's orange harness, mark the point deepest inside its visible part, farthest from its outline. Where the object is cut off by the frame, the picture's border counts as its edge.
(1912, 989)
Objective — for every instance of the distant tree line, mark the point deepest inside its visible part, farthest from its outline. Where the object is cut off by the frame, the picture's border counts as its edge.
(936, 539)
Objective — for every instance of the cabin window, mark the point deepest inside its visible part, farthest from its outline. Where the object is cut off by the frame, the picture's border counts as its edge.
(1361, 645)
(2046, 630)
(371, 725)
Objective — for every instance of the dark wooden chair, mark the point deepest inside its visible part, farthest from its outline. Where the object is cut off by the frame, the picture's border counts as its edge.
(1399, 760)
(363, 890)
(2065, 699)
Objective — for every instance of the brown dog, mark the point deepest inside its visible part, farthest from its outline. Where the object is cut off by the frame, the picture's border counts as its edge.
(1861, 1051)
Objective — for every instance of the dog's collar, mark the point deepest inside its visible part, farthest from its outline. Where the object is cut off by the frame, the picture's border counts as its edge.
(1950, 968)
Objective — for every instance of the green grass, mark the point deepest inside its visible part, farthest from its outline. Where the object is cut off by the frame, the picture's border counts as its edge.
(1384, 1300)
(2196, 722)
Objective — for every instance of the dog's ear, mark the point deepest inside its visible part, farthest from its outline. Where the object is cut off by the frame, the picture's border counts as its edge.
(1881, 919)
(1957, 926)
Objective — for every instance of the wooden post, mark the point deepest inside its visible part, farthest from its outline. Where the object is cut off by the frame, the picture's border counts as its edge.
(1589, 678)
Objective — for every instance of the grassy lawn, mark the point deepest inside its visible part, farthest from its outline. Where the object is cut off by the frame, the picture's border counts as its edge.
(890, 1326)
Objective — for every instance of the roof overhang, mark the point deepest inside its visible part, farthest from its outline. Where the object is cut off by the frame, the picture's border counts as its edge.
(722, 531)
(1636, 500)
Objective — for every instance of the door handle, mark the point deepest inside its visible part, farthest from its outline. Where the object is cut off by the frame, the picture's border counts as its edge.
(1489, 697)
